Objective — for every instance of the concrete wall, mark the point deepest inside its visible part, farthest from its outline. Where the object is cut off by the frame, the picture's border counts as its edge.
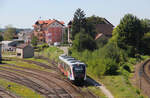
(28, 52)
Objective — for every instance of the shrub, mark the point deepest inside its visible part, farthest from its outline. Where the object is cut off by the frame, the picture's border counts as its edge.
(111, 51)
(127, 68)
(98, 67)
(111, 66)
(83, 41)
(138, 91)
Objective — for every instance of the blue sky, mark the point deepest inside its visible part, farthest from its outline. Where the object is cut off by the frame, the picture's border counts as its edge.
(23, 13)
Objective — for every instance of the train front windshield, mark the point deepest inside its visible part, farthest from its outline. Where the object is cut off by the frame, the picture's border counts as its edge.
(79, 72)
(79, 68)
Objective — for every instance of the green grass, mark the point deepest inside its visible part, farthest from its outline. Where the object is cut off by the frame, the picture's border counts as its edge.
(38, 60)
(24, 64)
(119, 87)
(19, 90)
(8, 53)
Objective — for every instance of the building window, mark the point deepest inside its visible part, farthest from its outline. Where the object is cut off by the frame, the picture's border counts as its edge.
(18, 54)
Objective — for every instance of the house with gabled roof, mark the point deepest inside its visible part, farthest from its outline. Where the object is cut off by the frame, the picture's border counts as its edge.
(24, 51)
(103, 29)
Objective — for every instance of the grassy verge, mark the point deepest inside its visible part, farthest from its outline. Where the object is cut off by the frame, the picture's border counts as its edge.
(25, 64)
(38, 60)
(120, 88)
(8, 53)
(19, 90)
(120, 85)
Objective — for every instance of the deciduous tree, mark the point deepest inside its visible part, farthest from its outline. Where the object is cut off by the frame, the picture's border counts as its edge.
(34, 40)
(83, 41)
(9, 33)
(128, 34)
(146, 44)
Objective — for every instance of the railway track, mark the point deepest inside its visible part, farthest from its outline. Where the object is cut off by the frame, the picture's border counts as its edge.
(46, 83)
(37, 82)
(145, 69)
(144, 77)
(88, 94)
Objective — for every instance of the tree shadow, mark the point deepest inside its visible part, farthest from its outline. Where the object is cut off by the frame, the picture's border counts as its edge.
(91, 82)
(88, 82)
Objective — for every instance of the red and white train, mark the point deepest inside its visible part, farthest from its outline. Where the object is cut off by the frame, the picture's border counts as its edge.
(72, 68)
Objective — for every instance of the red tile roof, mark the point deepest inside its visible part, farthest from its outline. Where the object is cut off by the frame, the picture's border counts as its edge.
(41, 21)
(103, 29)
(62, 22)
(50, 22)
(98, 36)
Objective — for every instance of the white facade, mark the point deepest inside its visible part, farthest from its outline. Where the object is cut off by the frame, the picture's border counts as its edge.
(56, 24)
(11, 45)
(25, 35)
